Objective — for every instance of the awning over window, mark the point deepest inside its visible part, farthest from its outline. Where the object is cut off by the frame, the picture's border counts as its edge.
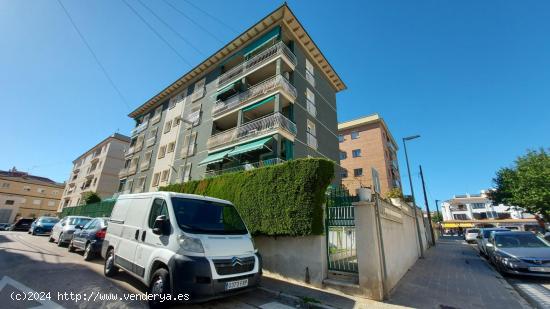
(255, 145)
(215, 157)
(262, 102)
(272, 34)
(228, 87)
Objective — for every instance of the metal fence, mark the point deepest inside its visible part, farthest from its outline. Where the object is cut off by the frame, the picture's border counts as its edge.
(101, 209)
(340, 230)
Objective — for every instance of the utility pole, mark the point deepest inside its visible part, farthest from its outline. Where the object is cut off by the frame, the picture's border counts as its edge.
(427, 206)
(412, 193)
(439, 215)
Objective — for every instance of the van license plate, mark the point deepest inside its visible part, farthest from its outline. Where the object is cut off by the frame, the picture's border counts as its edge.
(236, 284)
(541, 269)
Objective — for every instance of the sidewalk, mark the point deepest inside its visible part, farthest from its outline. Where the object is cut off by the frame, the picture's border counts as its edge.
(452, 275)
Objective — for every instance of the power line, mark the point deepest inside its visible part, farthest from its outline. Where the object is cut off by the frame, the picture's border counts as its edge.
(194, 22)
(172, 29)
(157, 33)
(94, 55)
(212, 16)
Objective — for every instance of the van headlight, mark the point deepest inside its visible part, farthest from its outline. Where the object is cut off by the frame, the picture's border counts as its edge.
(191, 244)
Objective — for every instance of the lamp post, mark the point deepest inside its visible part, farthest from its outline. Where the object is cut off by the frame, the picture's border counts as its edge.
(427, 206)
(412, 191)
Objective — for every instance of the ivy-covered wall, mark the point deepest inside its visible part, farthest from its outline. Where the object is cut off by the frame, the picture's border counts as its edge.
(284, 199)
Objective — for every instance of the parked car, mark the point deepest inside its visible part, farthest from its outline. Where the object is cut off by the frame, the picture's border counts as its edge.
(471, 235)
(63, 230)
(89, 238)
(484, 234)
(43, 225)
(199, 240)
(4, 226)
(22, 224)
(520, 253)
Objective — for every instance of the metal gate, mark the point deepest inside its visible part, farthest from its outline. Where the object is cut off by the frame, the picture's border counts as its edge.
(340, 230)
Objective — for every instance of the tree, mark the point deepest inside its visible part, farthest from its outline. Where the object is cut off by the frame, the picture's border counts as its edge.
(526, 184)
(437, 217)
(91, 197)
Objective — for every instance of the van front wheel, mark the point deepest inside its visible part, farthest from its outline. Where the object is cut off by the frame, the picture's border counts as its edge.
(159, 287)
(110, 269)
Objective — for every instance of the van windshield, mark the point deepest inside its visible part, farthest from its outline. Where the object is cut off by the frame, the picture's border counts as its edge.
(198, 216)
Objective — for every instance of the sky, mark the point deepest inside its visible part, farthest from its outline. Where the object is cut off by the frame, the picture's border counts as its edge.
(471, 77)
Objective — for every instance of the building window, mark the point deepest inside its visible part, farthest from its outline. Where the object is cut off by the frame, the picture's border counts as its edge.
(356, 153)
(344, 173)
(460, 216)
(310, 100)
(146, 160)
(141, 184)
(165, 175)
(478, 205)
(311, 133)
(340, 138)
(28, 189)
(343, 155)
(189, 145)
(10, 202)
(156, 117)
(354, 135)
(41, 190)
(167, 126)
(186, 172)
(171, 147)
(129, 185)
(5, 185)
(162, 152)
(36, 202)
(176, 122)
(156, 179)
(358, 172)
(198, 92)
(310, 73)
(51, 203)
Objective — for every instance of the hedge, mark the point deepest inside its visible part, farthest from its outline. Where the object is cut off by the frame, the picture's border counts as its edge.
(100, 209)
(283, 199)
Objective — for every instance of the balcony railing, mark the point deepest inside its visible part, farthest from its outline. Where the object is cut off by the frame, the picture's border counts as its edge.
(271, 84)
(252, 129)
(255, 62)
(135, 131)
(244, 167)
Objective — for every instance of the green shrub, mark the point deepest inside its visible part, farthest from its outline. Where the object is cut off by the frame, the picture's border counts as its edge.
(394, 193)
(100, 209)
(284, 199)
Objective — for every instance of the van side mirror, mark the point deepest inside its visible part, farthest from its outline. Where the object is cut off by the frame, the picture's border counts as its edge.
(161, 226)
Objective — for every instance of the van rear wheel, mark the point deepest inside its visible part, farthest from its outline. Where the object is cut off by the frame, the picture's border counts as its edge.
(159, 286)
(110, 269)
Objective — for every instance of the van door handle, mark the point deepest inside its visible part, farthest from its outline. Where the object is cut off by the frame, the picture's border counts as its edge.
(136, 235)
(143, 236)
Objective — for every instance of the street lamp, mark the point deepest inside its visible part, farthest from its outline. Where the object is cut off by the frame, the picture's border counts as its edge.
(412, 191)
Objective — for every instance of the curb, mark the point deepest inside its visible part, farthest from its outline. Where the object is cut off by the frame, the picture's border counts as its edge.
(295, 299)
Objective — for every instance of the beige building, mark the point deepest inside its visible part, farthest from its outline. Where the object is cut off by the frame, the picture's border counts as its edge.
(96, 171)
(27, 196)
(366, 143)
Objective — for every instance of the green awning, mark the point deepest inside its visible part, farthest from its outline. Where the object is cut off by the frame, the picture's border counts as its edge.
(262, 102)
(215, 157)
(251, 146)
(228, 87)
(273, 33)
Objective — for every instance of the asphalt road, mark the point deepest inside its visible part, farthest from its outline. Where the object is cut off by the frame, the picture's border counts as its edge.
(33, 268)
(536, 291)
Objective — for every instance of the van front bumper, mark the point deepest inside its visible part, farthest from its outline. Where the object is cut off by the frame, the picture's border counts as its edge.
(192, 275)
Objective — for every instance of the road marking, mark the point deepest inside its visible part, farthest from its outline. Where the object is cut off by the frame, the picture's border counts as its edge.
(46, 304)
(275, 305)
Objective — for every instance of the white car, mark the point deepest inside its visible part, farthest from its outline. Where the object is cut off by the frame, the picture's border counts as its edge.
(471, 235)
(62, 231)
(181, 244)
(483, 236)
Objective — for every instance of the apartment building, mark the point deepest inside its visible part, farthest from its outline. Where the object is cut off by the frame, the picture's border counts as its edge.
(27, 196)
(366, 144)
(479, 207)
(96, 170)
(266, 97)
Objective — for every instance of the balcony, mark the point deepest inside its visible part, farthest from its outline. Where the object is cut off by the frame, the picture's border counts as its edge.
(263, 89)
(256, 62)
(250, 130)
(244, 167)
(140, 128)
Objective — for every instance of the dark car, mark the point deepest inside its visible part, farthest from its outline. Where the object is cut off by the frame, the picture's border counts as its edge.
(43, 225)
(89, 238)
(23, 224)
(520, 253)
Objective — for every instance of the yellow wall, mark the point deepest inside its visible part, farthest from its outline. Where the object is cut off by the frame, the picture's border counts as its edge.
(32, 198)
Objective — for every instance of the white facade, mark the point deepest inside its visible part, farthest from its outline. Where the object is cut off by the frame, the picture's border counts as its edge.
(96, 171)
(479, 207)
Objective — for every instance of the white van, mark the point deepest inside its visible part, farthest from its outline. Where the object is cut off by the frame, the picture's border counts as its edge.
(181, 244)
